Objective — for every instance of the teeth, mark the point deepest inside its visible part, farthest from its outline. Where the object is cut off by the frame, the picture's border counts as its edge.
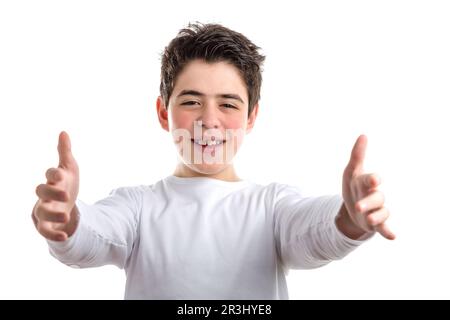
(208, 142)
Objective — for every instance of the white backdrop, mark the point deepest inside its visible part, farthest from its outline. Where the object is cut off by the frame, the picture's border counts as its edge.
(334, 69)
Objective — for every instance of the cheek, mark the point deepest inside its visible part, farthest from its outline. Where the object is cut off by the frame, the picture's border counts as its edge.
(180, 120)
(236, 123)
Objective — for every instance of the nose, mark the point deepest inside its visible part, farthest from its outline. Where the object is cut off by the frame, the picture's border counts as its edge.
(209, 117)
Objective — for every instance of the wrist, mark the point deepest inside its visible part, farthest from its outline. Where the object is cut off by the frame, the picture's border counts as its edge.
(345, 224)
(72, 225)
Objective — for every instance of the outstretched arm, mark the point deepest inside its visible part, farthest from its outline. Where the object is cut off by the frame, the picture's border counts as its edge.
(81, 234)
(363, 210)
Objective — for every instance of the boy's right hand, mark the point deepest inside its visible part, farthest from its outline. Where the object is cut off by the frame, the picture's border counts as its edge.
(55, 214)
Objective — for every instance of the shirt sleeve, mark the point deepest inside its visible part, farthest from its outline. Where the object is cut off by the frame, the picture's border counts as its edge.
(105, 233)
(305, 230)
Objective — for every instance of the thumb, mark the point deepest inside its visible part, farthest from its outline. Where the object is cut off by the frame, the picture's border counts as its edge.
(355, 165)
(66, 159)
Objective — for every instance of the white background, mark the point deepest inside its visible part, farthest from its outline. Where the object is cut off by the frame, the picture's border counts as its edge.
(334, 69)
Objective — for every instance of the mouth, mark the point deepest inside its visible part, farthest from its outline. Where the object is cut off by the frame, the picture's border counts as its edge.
(204, 143)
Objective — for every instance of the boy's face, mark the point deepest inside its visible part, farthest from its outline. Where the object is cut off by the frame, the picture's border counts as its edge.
(207, 115)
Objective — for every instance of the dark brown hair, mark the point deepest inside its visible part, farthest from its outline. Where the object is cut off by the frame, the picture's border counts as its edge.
(212, 43)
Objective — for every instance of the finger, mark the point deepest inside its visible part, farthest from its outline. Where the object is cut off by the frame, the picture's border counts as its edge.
(377, 217)
(384, 230)
(373, 201)
(44, 213)
(54, 175)
(48, 192)
(33, 216)
(66, 159)
(355, 165)
(46, 229)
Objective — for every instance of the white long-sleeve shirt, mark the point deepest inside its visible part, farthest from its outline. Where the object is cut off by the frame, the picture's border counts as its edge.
(203, 238)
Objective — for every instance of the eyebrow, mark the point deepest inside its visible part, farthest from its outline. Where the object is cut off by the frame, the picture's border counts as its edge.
(199, 94)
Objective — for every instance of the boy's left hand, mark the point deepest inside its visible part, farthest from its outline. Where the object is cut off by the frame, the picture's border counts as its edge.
(364, 204)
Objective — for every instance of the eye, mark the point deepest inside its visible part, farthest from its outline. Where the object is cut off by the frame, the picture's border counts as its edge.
(189, 103)
(229, 106)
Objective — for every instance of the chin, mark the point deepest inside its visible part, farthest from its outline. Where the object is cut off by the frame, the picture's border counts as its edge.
(207, 169)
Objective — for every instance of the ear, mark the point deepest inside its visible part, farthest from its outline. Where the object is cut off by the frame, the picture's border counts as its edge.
(163, 115)
(252, 118)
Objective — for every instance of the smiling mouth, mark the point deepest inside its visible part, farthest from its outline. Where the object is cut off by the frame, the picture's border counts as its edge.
(208, 143)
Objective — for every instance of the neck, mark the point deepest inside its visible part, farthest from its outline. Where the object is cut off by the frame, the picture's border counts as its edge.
(227, 174)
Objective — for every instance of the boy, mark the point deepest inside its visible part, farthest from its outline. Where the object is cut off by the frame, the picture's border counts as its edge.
(203, 233)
